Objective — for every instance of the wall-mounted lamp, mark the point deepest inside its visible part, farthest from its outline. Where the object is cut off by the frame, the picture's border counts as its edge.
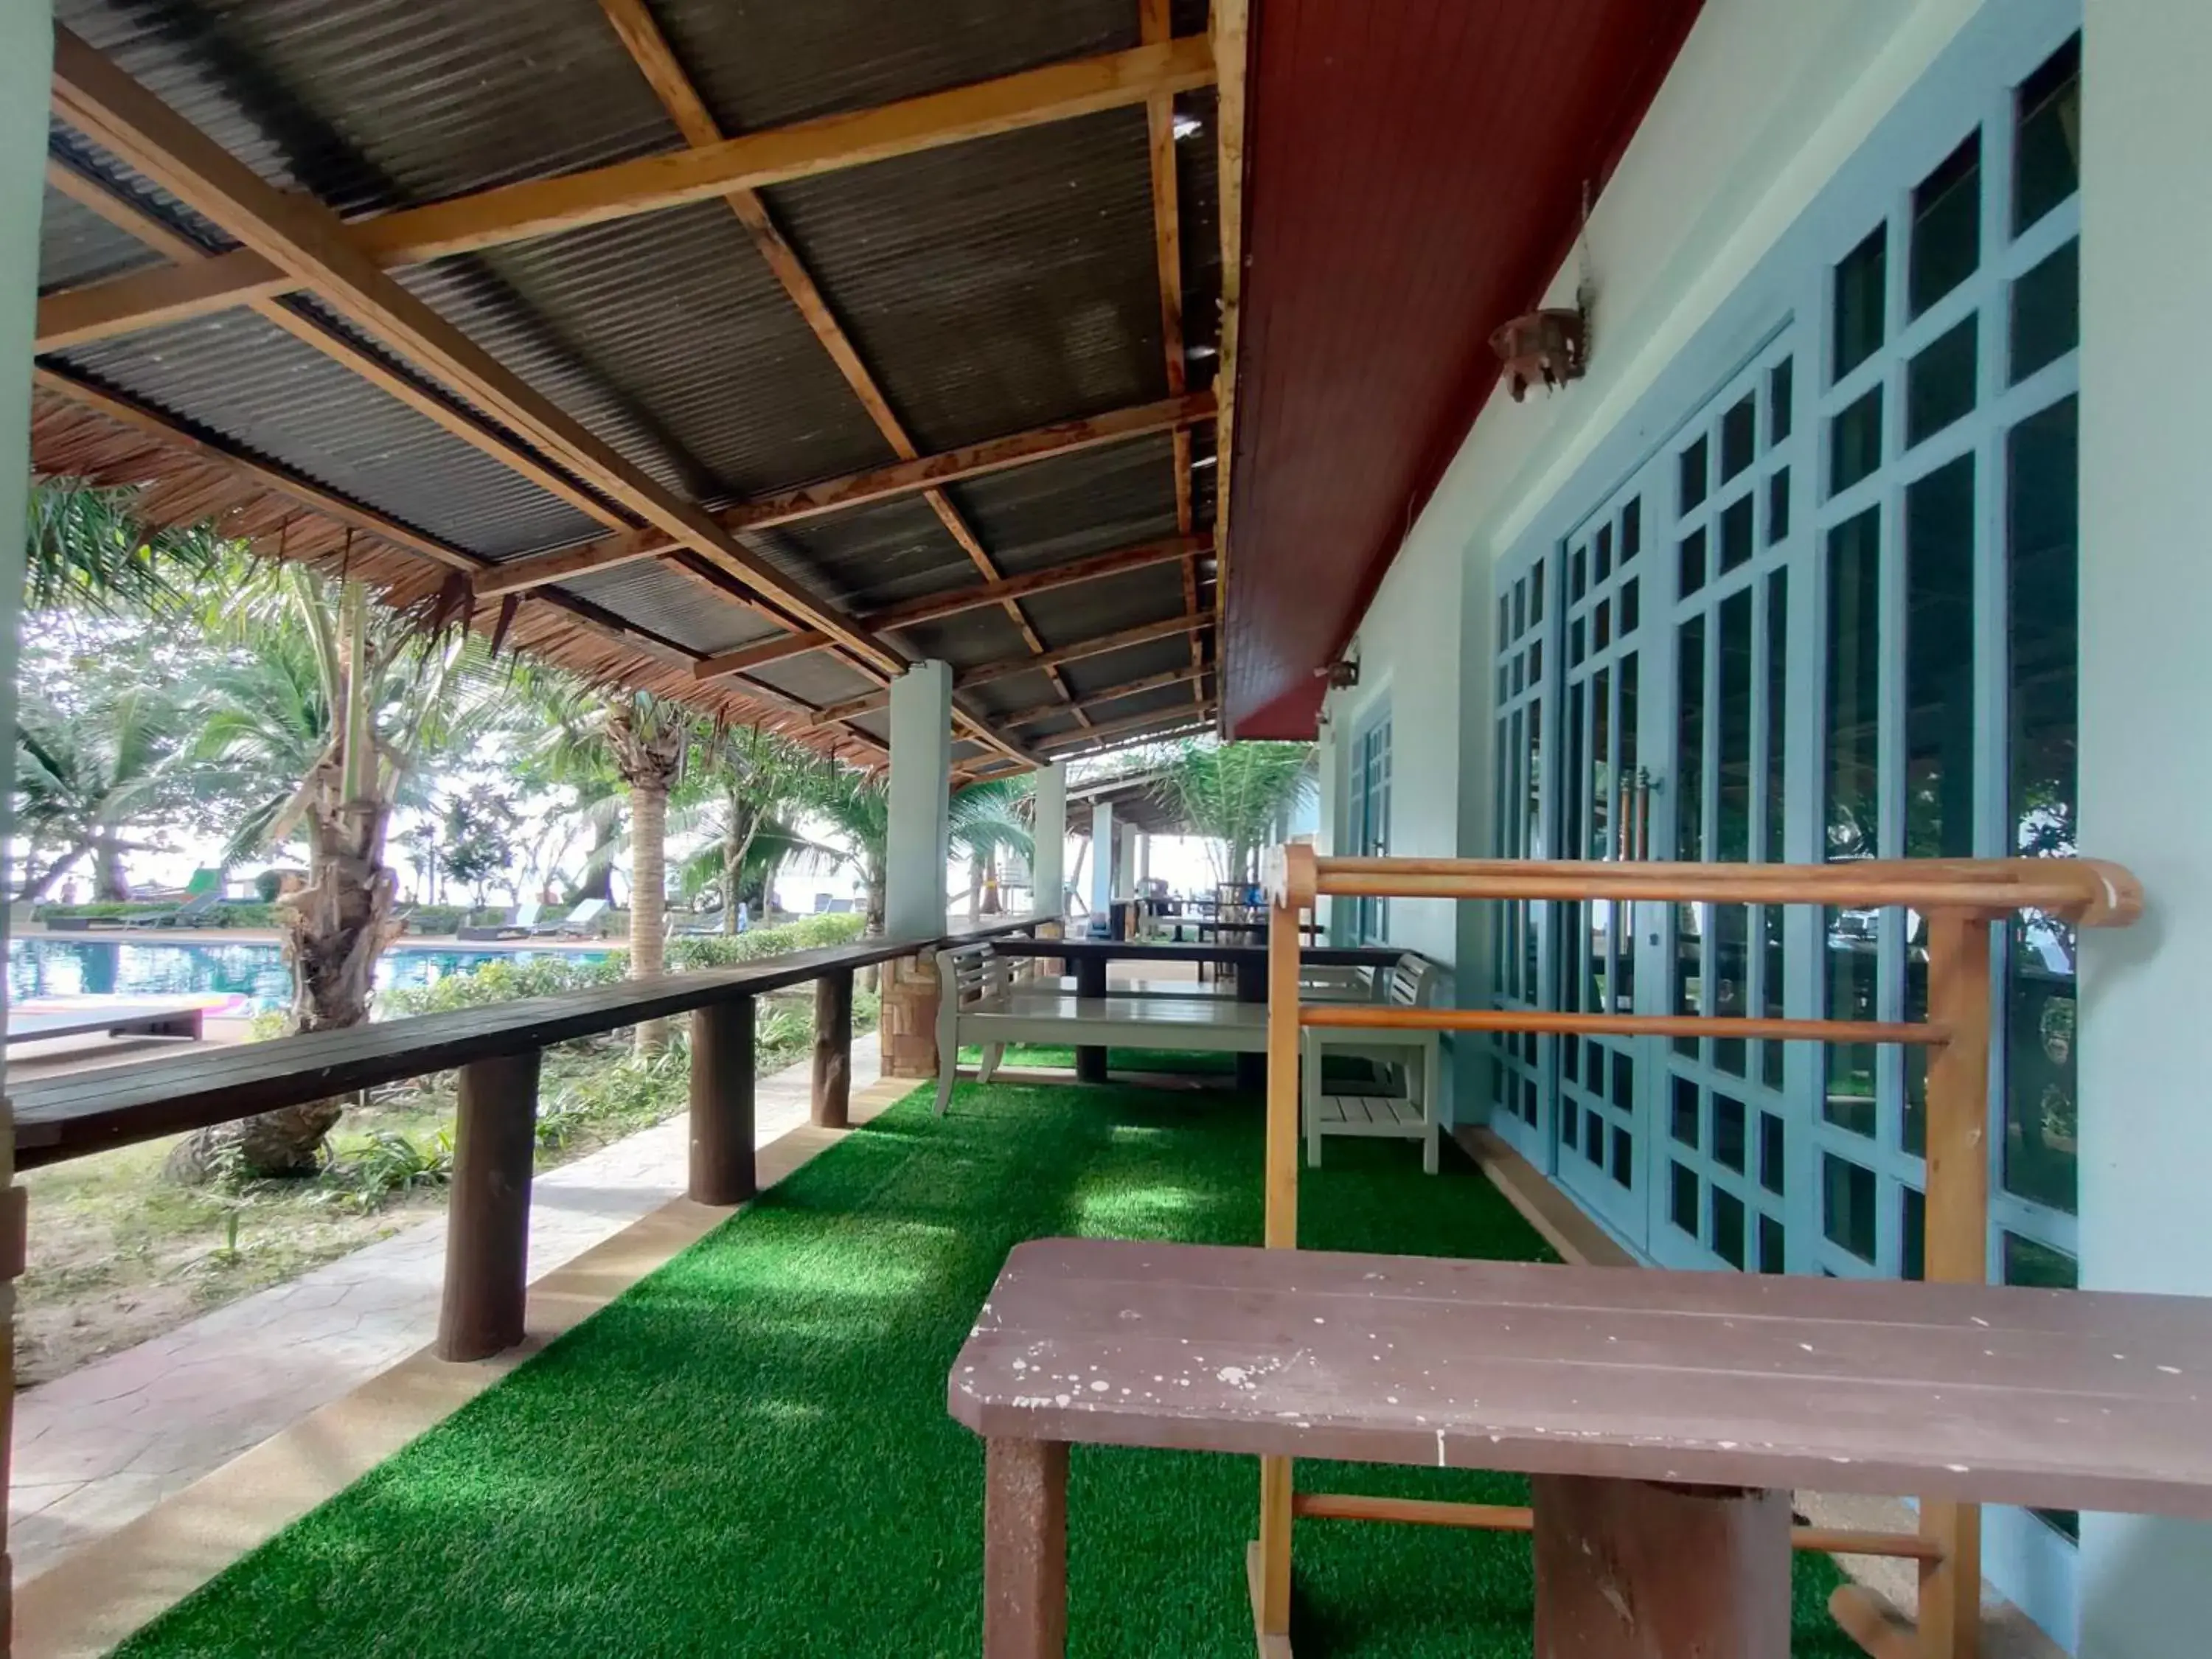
(1547, 346)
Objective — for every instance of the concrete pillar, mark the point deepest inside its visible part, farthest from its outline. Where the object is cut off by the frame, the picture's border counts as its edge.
(2146, 601)
(922, 780)
(1125, 862)
(1049, 859)
(26, 53)
(1102, 860)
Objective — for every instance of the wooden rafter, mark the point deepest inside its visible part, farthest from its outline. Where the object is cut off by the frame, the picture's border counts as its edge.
(308, 240)
(934, 607)
(1188, 723)
(1112, 694)
(870, 487)
(990, 673)
(1231, 30)
(1156, 23)
(538, 206)
(1123, 727)
(642, 37)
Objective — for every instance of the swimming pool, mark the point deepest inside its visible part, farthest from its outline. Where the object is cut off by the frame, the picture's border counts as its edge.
(107, 967)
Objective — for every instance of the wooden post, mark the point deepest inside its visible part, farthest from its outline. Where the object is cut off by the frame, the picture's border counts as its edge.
(1956, 1248)
(488, 1229)
(833, 1049)
(1024, 1549)
(1628, 1569)
(722, 1103)
(1280, 1233)
(1089, 983)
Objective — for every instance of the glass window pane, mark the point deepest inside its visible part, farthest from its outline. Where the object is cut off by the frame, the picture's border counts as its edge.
(1736, 542)
(1728, 1139)
(1947, 226)
(1629, 615)
(1536, 594)
(1624, 1157)
(2047, 149)
(1682, 1199)
(1940, 383)
(2028, 1262)
(1683, 1119)
(1855, 443)
(1728, 1227)
(1772, 1248)
(2046, 312)
(1777, 507)
(1847, 1194)
(1601, 554)
(1733, 818)
(2041, 582)
(1690, 739)
(1861, 286)
(1693, 564)
(1778, 725)
(1739, 435)
(1852, 810)
(1631, 530)
(1773, 1153)
(1778, 393)
(1695, 469)
(1912, 1232)
(1577, 573)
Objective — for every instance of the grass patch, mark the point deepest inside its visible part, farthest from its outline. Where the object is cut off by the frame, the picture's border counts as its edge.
(749, 1452)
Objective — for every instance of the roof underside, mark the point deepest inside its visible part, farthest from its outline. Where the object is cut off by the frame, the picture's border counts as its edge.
(967, 292)
(1407, 190)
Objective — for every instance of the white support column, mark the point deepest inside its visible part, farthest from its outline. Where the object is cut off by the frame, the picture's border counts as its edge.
(2146, 680)
(27, 54)
(920, 788)
(1049, 859)
(1103, 860)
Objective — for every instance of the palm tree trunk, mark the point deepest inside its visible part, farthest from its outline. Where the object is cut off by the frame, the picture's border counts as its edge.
(108, 882)
(648, 885)
(732, 859)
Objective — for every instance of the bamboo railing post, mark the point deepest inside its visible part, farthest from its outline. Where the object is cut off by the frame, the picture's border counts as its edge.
(1291, 888)
(833, 1049)
(1957, 1238)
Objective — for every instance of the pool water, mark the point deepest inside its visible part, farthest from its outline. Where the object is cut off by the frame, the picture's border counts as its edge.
(108, 966)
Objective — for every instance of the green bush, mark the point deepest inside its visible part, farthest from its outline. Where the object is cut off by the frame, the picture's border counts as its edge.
(269, 884)
(499, 979)
(729, 949)
(231, 913)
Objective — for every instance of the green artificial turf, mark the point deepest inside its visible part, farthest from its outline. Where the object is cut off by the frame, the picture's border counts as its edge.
(749, 1452)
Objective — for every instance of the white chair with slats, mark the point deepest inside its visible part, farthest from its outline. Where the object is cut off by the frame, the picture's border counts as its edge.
(1418, 1055)
(967, 976)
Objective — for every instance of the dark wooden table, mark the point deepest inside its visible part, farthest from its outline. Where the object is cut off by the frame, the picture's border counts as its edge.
(170, 1018)
(1665, 1416)
(1090, 956)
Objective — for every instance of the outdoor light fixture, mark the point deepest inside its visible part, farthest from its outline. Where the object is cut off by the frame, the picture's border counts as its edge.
(1546, 345)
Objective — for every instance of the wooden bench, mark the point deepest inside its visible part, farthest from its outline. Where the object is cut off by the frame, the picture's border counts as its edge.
(982, 1000)
(1412, 1116)
(1665, 1416)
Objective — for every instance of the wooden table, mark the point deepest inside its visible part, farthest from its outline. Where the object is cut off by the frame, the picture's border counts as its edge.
(1665, 1416)
(148, 1018)
(1090, 956)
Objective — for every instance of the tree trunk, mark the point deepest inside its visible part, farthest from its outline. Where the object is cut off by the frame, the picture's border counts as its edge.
(598, 882)
(648, 885)
(109, 884)
(336, 927)
(732, 859)
(991, 906)
(36, 887)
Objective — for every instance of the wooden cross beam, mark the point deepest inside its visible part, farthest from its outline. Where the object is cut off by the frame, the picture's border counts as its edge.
(1111, 694)
(511, 213)
(934, 607)
(1231, 23)
(1123, 728)
(648, 48)
(867, 488)
(989, 673)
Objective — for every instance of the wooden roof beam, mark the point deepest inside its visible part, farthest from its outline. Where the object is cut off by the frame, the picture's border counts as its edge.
(1231, 23)
(1157, 717)
(538, 206)
(934, 607)
(310, 241)
(642, 37)
(990, 673)
(1111, 694)
(868, 489)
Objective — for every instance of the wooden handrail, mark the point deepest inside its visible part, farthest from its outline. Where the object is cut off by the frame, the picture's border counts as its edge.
(1375, 1017)
(2089, 891)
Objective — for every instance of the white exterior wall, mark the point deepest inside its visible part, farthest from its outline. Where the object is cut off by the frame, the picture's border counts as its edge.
(2146, 689)
(1768, 98)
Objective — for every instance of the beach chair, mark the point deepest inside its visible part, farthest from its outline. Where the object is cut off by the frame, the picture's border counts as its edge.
(520, 923)
(199, 908)
(583, 922)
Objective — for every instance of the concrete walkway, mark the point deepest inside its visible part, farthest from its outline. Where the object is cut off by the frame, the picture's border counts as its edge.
(101, 1446)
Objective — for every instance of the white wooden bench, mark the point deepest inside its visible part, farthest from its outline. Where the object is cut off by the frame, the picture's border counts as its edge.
(1412, 1116)
(980, 1001)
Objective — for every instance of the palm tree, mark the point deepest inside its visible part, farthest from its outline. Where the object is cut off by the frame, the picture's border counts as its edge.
(858, 806)
(345, 700)
(565, 722)
(1234, 795)
(753, 781)
(86, 546)
(82, 781)
(648, 738)
(989, 819)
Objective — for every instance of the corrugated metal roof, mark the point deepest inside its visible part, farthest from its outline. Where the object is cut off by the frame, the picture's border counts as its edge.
(370, 106)
(667, 335)
(76, 245)
(655, 594)
(235, 374)
(876, 556)
(1073, 506)
(764, 62)
(998, 284)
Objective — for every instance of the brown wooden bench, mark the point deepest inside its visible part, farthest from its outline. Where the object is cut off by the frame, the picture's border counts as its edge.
(1665, 1416)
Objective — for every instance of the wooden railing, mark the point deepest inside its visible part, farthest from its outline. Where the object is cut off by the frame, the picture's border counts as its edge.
(497, 1051)
(1959, 900)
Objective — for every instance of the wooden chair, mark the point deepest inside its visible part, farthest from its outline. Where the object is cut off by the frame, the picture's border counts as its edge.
(966, 978)
(1419, 1054)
